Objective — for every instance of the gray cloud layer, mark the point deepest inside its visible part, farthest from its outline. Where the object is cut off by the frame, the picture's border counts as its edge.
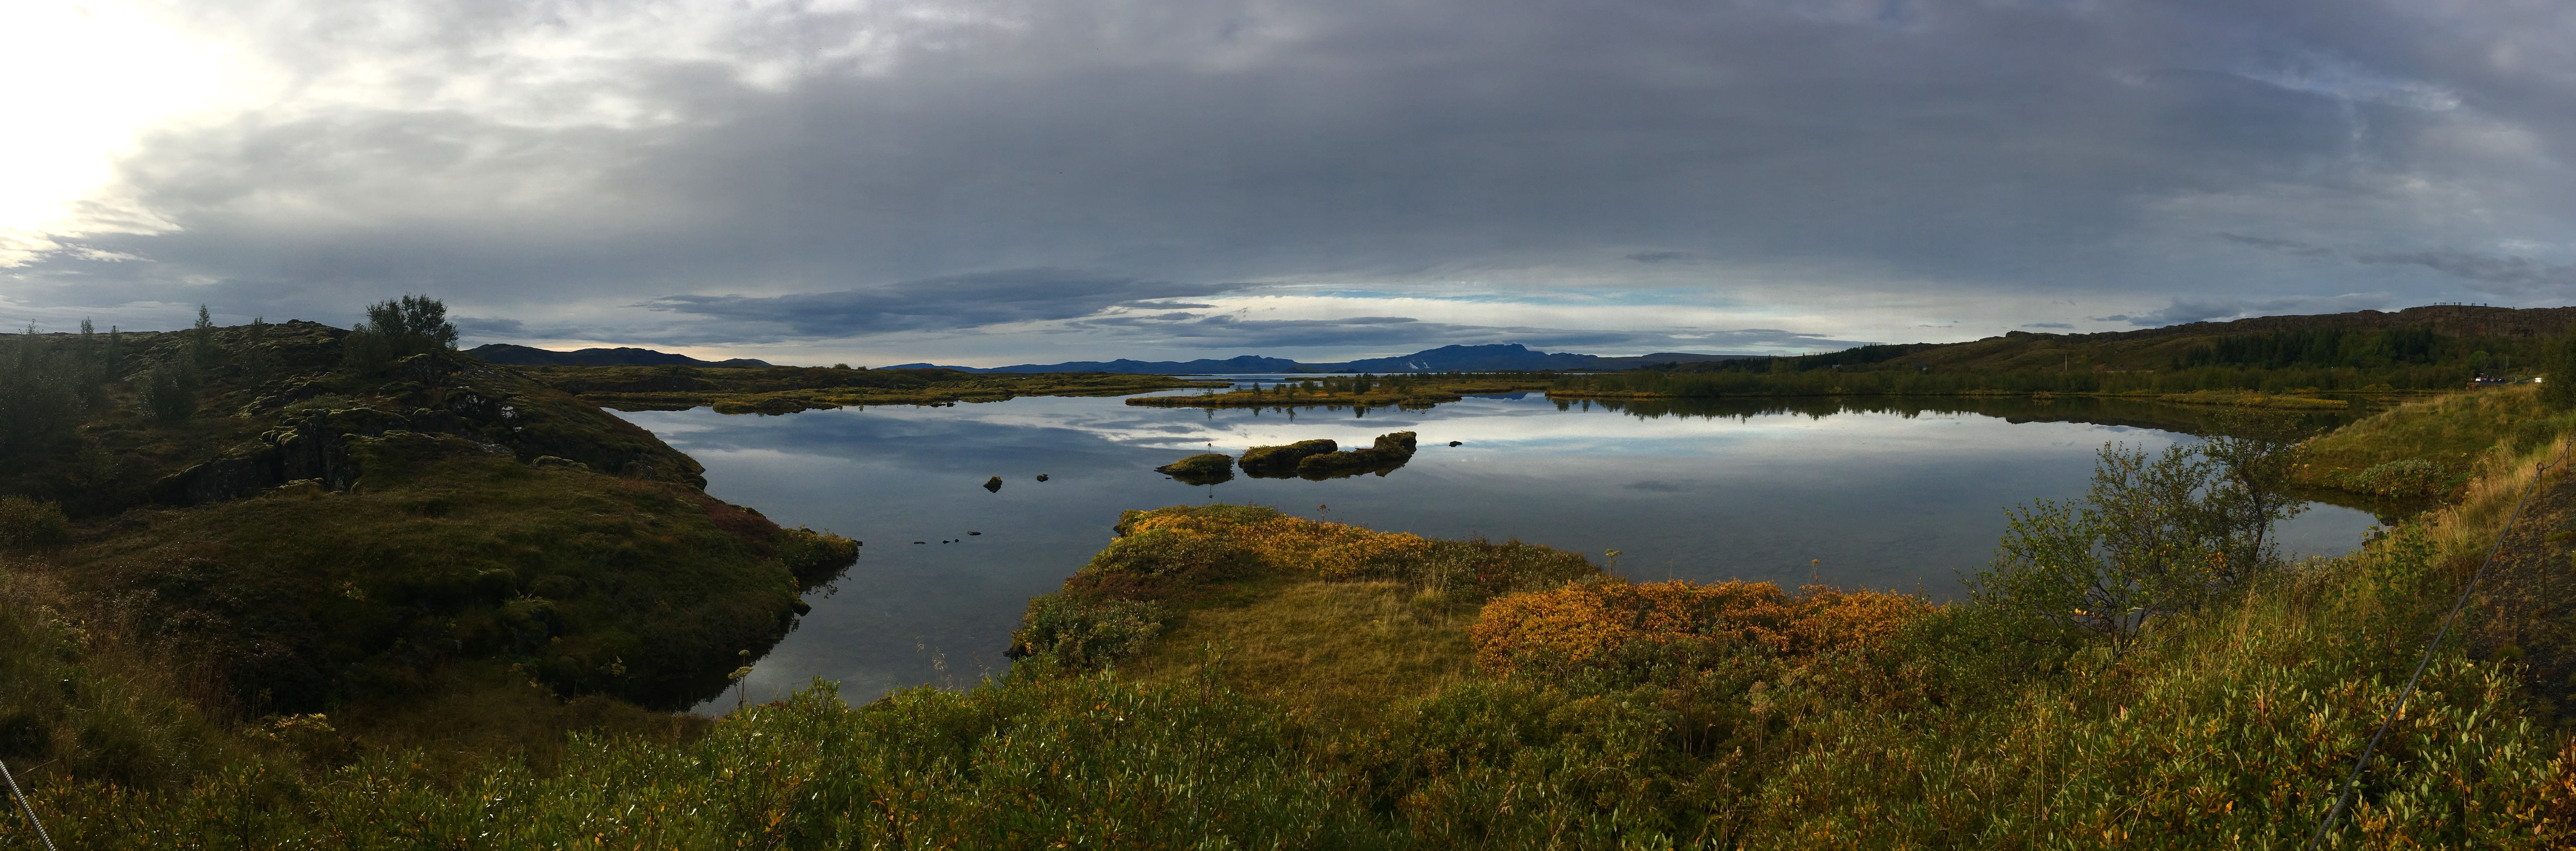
(814, 174)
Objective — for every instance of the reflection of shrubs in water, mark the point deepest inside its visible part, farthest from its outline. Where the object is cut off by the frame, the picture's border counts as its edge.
(1202, 469)
(1280, 462)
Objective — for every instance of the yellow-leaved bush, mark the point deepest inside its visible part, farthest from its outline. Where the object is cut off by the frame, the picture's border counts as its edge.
(1587, 623)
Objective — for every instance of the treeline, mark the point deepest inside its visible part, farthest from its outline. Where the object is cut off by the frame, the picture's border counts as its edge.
(48, 383)
(1917, 382)
(2348, 347)
(51, 383)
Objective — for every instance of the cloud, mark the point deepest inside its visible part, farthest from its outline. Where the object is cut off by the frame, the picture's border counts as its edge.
(556, 162)
(949, 302)
(2284, 246)
(2510, 276)
(2048, 325)
(1407, 334)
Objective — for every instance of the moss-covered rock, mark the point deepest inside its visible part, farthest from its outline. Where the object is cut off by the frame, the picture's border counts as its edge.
(1279, 462)
(1202, 469)
(1388, 453)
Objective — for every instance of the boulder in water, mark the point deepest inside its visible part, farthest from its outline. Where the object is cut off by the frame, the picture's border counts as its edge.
(993, 484)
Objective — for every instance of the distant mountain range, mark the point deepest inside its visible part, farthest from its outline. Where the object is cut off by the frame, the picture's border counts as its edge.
(504, 353)
(1486, 358)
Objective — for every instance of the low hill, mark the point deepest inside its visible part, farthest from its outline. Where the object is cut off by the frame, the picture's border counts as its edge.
(511, 355)
(2498, 338)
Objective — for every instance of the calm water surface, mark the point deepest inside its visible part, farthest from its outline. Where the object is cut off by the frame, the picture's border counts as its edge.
(1901, 496)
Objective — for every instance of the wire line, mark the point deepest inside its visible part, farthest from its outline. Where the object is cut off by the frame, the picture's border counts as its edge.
(24, 805)
(2344, 799)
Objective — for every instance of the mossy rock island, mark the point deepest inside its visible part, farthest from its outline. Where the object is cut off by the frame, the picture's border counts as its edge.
(1280, 462)
(1389, 452)
(1202, 469)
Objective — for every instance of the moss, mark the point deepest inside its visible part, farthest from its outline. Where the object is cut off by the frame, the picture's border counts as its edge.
(1390, 452)
(1202, 469)
(1279, 462)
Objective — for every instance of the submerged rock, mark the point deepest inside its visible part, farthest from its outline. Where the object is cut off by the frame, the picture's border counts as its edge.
(1041, 477)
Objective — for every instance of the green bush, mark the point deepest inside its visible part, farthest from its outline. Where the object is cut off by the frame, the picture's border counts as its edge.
(28, 524)
(1082, 633)
(815, 556)
(2405, 477)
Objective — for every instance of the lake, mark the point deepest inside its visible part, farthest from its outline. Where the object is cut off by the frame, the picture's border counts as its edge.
(1898, 494)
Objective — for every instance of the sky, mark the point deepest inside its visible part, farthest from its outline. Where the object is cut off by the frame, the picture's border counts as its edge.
(1013, 181)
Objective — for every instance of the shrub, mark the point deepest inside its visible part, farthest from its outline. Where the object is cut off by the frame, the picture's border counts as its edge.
(815, 556)
(2405, 477)
(398, 329)
(1082, 633)
(1581, 625)
(26, 523)
(167, 392)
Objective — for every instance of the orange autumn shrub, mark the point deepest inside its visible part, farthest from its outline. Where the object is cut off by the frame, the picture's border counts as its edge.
(1582, 624)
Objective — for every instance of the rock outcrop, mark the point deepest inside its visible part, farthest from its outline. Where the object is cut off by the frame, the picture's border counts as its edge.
(437, 394)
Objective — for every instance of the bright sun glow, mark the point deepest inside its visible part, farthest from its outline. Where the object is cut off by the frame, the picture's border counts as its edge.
(84, 81)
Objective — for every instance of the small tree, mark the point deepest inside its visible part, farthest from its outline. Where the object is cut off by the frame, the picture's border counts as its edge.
(39, 395)
(2153, 536)
(167, 392)
(399, 329)
(201, 337)
(2558, 374)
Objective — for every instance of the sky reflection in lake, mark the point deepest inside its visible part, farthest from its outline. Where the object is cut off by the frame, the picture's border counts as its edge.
(1899, 496)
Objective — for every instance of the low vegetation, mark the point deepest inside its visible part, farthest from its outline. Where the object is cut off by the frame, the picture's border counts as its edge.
(2431, 447)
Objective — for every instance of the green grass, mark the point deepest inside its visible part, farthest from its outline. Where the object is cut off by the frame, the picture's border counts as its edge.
(2452, 436)
(1346, 651)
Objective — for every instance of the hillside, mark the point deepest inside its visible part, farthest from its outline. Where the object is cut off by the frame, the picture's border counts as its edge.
(513, 355)
(2417, 335)
(305, 529)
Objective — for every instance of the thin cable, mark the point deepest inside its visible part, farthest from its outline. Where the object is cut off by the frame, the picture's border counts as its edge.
(2344, 798)
(23, 805)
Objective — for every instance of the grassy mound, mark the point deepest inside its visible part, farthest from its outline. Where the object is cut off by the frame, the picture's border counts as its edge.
(2429, 447)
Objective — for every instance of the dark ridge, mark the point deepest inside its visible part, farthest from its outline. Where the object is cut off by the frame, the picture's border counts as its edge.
(515, 355)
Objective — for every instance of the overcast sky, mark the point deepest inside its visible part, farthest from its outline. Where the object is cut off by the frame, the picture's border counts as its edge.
(1001, 182)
